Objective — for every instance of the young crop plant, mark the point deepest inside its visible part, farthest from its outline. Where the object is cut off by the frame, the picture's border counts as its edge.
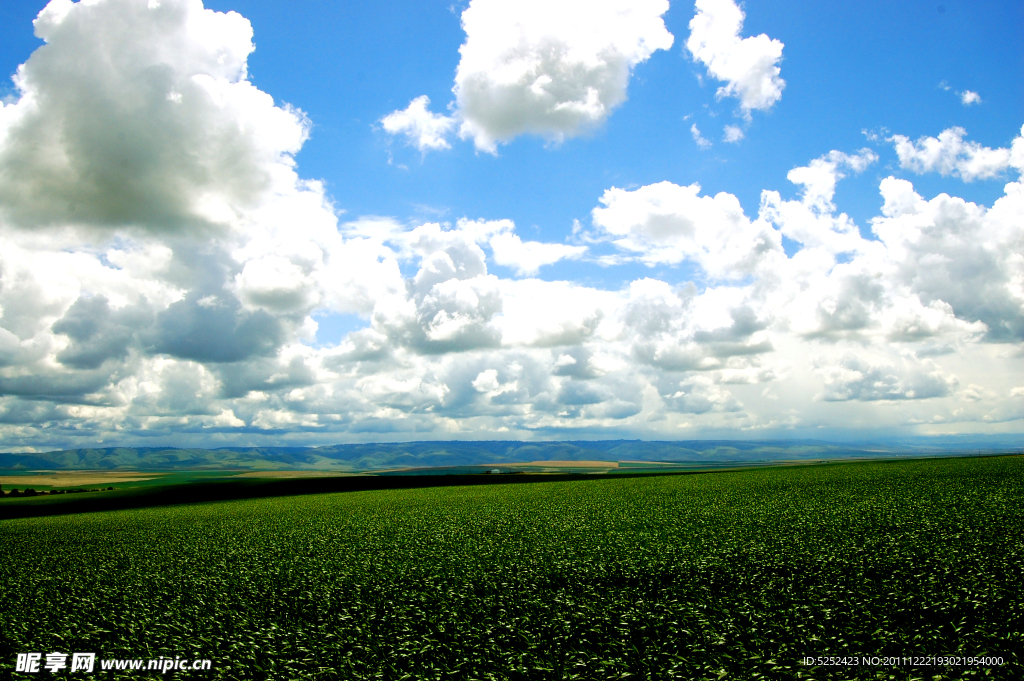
(740, 575)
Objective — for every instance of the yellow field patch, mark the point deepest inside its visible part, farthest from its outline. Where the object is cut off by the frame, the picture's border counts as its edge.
(73, 478)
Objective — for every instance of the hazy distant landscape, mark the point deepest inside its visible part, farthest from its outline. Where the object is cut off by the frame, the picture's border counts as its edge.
(108, 479)
(383, 456)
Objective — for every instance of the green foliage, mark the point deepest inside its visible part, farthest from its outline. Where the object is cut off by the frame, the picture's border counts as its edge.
(726, 575)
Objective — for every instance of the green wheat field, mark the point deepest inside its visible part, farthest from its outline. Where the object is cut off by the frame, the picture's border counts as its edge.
(737, 575)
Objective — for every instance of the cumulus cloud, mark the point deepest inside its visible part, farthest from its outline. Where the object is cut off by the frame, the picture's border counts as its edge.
(556, 70)
(507, 248)
(527, 257)
(854, 378)
(812, 220)
(697, 395)
(572, 314)
(955, 253)
(96, 333)
(422, 129)
(667, 223)
(950, 154)
(967, 98)
(681, 331)
(140, 114)
(748, 66)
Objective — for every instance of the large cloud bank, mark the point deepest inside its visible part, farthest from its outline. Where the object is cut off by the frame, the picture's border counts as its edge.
(162, 267)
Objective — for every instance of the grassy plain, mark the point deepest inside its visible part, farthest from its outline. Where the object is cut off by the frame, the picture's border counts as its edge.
(720, 575)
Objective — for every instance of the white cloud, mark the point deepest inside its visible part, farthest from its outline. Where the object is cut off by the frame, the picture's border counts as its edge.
(698, 138)
(854, 378)
(959, 253)
(527, 257)
(555, 313)
(422, 129)
(555, 70)
(812, 220)
(967, 98)
(677, 330)
(507, 248)
(666, 223)
(820, 176)
(733, 133)
(949, 154)
(277, 284)
(748, 66)
(697, 395)
(174, 135)
(453, 304)
(1017, 152)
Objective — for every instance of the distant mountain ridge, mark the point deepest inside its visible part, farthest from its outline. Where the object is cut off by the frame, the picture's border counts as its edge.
(382, 456)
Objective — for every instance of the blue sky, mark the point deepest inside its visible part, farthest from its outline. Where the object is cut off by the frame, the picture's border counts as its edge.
(848, 67)
(250, 245)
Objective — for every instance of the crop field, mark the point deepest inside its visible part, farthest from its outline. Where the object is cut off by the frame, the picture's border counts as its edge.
(64, 479)
(61, 479)
(737, 575)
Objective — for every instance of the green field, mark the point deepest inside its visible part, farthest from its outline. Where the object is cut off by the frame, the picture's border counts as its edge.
(718, 575)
